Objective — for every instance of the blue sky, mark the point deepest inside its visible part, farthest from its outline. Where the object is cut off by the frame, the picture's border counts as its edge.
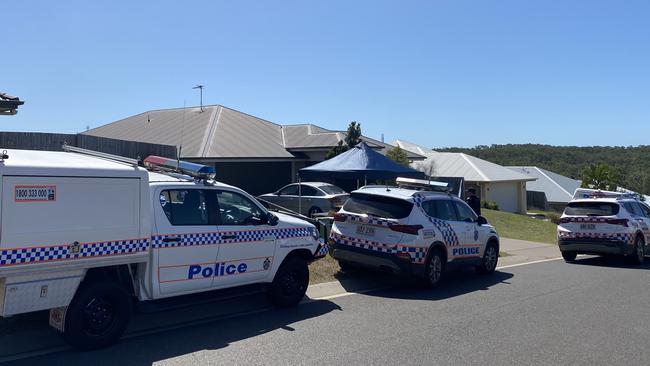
(438, 73)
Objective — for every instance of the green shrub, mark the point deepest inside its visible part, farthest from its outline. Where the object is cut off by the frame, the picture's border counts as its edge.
(490, 205)
(553, 217)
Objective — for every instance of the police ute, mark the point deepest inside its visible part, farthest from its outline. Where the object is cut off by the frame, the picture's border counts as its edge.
(89, 236)
(409, 231)
(604, 222)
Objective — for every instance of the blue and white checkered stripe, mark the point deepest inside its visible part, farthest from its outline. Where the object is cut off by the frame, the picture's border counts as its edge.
(11, 257)
(418, 255)
(324, 249)
(448, 233)
(211, 238)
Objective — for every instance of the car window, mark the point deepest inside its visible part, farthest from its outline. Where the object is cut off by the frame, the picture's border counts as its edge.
(465, 213)
(645, 209)
(591, 209)
(185, 206)
(291, 190)
(633, 208)
(378, 206)
(440, 209)
(308, 191)
(331, 189)
(237, 209)
(636, 207)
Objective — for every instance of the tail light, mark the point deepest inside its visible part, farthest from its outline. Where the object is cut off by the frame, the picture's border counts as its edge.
(404, 256)
(622, 222)
(339, 217)
(335, 201)
(406, 229)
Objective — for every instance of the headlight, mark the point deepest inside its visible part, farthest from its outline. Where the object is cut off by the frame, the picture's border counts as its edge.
(315, 233)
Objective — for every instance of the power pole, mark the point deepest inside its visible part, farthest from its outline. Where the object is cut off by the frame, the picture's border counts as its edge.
(200, 87)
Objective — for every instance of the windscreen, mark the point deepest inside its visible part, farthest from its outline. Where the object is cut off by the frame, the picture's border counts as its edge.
(330, 189)
(378, 206)
(591, 209)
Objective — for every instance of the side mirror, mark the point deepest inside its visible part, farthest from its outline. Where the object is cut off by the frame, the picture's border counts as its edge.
(271, 219)
(481, 220)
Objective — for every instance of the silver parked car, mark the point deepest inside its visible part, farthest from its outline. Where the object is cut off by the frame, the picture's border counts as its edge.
(317, 197)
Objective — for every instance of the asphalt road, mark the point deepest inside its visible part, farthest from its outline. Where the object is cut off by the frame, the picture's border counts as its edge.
(595, 312)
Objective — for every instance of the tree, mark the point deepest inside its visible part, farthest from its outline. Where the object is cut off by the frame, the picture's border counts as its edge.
(599, 176)
(352, 139)
(399, 156)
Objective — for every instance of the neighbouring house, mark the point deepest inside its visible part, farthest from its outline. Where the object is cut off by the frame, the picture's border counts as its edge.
(492, 182)
(249, 152)
(551, 191)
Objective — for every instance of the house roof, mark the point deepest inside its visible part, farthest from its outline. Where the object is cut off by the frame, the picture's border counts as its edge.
(469, 167)
(221, 132)
(556, 187)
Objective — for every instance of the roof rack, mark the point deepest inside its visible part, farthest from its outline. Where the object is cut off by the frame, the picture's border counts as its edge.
(597, 193)
(100, 154)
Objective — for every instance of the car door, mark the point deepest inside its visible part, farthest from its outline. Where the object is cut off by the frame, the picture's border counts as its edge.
(247, 242)
(472, 240)
(309, 197)
(185, 243)
(288, 197)
(645, 221)
(451, 229)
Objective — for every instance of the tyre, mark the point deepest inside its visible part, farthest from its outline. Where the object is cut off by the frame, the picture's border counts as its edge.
(434, 269)
(346, 266)
(490, 258)
(314, 210)
(97, 315)
(638, 255)
(290, 283)
(569, 256)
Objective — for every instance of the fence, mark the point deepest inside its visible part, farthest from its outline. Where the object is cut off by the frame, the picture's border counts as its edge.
(54, 141)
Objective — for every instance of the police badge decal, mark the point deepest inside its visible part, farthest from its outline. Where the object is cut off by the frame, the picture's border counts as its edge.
(267, 264)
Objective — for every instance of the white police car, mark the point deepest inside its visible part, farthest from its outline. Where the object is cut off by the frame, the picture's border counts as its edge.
(603, 222)
(407, 231)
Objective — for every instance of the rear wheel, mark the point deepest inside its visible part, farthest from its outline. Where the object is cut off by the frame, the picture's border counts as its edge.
(97, 315)
(313, 211)
(638, 256)
(569, 256)
(434, 269)
(290, 283)
(489, 262)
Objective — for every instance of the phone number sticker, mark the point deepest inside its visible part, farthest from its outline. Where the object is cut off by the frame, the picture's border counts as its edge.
(35, 194)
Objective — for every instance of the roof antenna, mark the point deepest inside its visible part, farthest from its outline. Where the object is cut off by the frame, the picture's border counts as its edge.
(180, 146)
(200, 87)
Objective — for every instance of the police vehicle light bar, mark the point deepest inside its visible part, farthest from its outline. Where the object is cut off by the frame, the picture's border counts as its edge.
(184, 167)
(429, 185)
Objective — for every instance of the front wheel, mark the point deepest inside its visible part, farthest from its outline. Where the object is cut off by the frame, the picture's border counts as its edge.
(490, 258)
(569, 256)
(290, 283)
(434, 269)
(97, 315)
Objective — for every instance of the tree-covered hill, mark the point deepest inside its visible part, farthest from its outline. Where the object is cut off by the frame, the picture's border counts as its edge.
(631, 164)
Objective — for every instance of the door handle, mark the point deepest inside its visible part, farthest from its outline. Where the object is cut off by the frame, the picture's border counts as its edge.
(228, 236)
(172, 239)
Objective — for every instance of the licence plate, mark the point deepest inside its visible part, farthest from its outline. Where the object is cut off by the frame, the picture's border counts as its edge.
(587, 226)
(366, 230)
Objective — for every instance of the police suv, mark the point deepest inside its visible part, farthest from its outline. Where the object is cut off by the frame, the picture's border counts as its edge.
(604, 222)
(89, 235)
(407, 231)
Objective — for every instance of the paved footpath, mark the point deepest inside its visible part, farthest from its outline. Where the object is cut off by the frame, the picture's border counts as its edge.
(521, 251)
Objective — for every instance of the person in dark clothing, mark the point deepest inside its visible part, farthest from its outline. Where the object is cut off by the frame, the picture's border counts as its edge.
(473, 201)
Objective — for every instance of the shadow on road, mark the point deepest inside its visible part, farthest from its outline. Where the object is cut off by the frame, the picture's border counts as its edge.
(147, 349)
(456, 282)
(611, 262)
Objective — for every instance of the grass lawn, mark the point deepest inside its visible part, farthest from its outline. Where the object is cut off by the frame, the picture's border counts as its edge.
(521, 227)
